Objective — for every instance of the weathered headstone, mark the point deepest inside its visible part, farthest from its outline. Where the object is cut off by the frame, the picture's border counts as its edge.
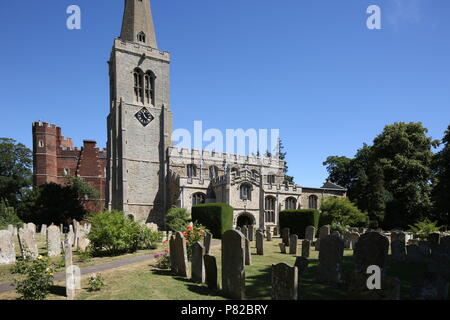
(310, 233)
(72, 273)
(282, 248)
(323, 232)
(28, 245)
(293, 244)
(44, 229)
(198, 267)
(371, 249)
(398, 250)
(284, 282)
(347, 240)
(211, 272)
(269, 234)
(32, 227)
(285, 233)
(336, 234)
(248, 253)
(83, 244)
(181, 259)
(244, 231)
(306, 248)
(7, 248)
(259, 243)
(233, 270)
(172, 254)
(53, 241)
(207, 242)
(302, 265)
(354, 237)
(330, 259)
(70, 236)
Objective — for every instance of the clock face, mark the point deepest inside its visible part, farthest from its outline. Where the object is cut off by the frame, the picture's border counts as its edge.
(144, 117)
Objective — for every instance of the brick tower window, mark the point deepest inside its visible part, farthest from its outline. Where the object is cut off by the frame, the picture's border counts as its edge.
(41, 143)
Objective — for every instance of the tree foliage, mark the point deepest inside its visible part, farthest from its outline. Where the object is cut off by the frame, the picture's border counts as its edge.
(343, 212)
(441, 190)
(177, 219)
(8, 216)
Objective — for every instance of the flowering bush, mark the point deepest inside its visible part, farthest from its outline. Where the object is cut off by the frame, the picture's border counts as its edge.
(36, 278)
(192, 234)
(163, 260)
(96, 282)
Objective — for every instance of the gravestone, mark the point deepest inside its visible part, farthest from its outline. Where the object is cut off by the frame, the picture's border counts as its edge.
(72, 272)
(306, 248)
(198, 267)
(269, 234)
(259, 243)
(284, 282)
(293, 244)
(285, 233)
(233, 270)
(414, 254)
(53, 241)
(28, 245)
(15, 232)
(398, 250)
(336, 234)
(248, 253)
(83, 244)
(323, 232)
(275, 231)
(207, 242)
(398, 236)
(310, 233)
(7, 248)
(347, 240)
(251, 232)
(32, 227)
(172, 254)
(371, 249)
(11, 229)
(302, 265)
(181, 259)
(70, 236)
(354, 237)
(211, 272)
(282, 248)
(330, 259)
(44, 229)
(244, 231)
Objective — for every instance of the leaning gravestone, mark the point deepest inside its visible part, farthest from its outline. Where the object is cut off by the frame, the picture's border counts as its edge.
(28, 245)
(285, 233)
(282, 248)
(198, 267)
(7, 248)
(53, 241)
(306, 248)
(44, 229)
(233, 270)
(248, 253)
(293, 243)
(181, 255)
(284, 282)
(259, 243)
(207, 242)
(211, 272)
(330, 259)
(302, 265)
(371, 249)
(310, 233)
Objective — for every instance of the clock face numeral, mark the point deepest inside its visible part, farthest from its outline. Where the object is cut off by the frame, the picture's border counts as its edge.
(144, 117)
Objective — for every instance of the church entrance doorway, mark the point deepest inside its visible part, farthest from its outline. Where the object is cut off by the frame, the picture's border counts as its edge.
(245, 219)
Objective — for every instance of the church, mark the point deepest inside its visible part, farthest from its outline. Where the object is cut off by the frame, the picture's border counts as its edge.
(140, 173)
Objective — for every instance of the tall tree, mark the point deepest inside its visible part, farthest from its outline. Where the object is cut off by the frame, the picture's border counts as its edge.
(15, 170)
(441, 190)
(282, 155)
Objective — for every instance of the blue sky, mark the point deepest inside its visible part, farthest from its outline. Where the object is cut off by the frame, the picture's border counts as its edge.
(308, 67)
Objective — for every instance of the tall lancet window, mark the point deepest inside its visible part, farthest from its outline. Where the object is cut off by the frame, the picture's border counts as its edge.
(141, 37)
(138, 85)
(149, 87)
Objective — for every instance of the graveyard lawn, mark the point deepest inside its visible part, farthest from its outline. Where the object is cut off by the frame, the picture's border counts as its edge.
(143, 281)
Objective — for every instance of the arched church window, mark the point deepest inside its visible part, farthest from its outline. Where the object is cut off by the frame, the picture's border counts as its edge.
(291, 204)
(198, 198)
(213, 172)
(191, 170)
(312, 201)
(271, 178)
(246, 192)
(141, 36)
(149, 80)
(269, 209)
(138, 85)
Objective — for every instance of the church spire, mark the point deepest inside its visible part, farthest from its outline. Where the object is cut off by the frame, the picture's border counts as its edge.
(137, 25)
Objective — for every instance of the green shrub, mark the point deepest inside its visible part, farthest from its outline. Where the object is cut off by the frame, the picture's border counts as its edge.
(96, 282)
(36, 278)
(216, 217)
(8, 215)
(177, 219)
(149, 239)
(424, 228)
(337, 226)
(112, 233)
(343, 212)
(298, 220)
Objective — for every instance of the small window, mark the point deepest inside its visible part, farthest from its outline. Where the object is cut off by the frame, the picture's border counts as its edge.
(269, 208)
(138, 85)
(246, 192)
(191, 171)
(271, 179)
(312, 201)
(141, 36)
(41, 143)
(198, 198)
(66, 171)
(291, 204)
(149, 80)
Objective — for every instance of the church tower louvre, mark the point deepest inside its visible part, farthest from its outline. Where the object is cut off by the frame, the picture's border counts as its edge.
(140, 120)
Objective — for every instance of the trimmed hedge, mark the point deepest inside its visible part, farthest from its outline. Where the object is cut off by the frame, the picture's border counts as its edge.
(298, 220)
(216, 217)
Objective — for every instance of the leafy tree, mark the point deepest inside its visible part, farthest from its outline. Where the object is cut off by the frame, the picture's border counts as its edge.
(177, 219)
(15, 170)
(341, 211)
(8, 215)
(282, 155)
(441, 191)
(422, 229)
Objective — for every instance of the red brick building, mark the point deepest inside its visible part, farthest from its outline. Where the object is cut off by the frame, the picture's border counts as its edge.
(54, 157)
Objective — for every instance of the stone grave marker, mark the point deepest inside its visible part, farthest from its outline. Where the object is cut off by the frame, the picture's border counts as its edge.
(233, 264)
(284, 282)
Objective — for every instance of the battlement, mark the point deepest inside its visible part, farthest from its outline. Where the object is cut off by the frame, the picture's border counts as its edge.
(140, 49)
(45, 127)
(212, 156)
(282, 187)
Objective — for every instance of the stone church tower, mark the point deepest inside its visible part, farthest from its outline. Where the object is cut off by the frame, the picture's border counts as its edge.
(140, 120)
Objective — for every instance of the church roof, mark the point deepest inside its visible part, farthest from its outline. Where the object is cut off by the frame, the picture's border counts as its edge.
(137, 24)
